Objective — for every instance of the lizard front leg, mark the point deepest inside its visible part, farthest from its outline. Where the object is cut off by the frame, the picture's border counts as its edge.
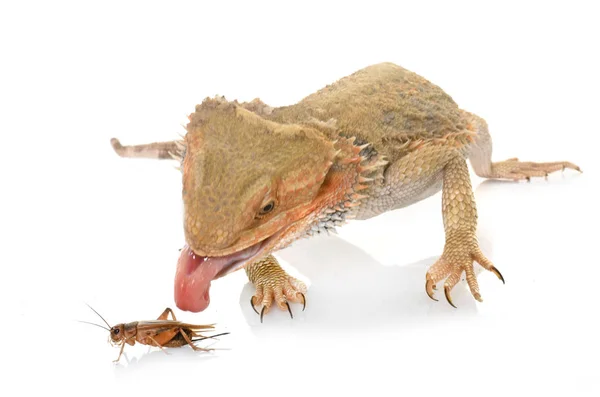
(274, 284)
(460, 224)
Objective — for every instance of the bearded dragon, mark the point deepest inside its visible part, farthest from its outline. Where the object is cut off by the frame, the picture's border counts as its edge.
(257, 178)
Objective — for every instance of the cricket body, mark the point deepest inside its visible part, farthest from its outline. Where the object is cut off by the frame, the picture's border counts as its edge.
(257, 178)
(161, 333)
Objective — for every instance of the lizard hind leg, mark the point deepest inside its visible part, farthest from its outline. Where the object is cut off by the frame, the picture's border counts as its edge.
(273, 284)
(481, 159)
(519, 170)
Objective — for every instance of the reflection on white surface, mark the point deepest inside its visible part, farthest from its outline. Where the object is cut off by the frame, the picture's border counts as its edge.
(351, 290)
(154, 358)
(368, 317)
(369, 326)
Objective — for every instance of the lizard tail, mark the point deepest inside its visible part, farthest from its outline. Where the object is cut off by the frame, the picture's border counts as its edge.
(171, 150)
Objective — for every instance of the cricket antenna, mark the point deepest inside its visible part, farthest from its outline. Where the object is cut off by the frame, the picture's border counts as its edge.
(105, 322)
(97, 325)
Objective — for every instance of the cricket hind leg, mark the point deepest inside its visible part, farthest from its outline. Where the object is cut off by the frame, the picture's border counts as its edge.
(165, 315)
(158, 344)
(481, 159)
(171, 150)
(182, 337)
(190, 342)
(188, 337)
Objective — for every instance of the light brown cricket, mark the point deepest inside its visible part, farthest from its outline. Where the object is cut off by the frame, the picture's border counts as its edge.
(161, 332)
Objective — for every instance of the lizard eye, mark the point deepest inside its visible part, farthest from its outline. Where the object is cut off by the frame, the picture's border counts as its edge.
(267, 208)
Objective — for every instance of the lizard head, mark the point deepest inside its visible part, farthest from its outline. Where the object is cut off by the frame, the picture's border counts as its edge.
(250, 186)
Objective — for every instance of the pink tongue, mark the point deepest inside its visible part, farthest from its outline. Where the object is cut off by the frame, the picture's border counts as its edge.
(192, 280)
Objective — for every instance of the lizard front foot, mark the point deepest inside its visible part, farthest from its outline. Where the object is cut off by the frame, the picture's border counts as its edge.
(273, 284)
(459, 253)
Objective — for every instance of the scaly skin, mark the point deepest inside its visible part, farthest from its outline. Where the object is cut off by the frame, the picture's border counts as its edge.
(256, 178)
(273, 284)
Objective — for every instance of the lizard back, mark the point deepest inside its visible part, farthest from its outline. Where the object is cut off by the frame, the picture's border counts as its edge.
(386, 105)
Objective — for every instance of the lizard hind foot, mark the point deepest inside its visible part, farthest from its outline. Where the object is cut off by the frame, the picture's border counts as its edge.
(525, 170)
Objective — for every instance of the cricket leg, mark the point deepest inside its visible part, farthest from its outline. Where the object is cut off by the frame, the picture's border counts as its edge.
(460, 224)
(165, 315)
(274, 284)
(157, 344)
(481, 158)
(191, 343)
(158, 150)
(120, 352)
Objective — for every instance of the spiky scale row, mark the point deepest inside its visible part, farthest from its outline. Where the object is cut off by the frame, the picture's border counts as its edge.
(179, 153)
(348, 155)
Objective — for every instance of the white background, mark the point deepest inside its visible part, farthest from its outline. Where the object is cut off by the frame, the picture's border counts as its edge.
(79, 224)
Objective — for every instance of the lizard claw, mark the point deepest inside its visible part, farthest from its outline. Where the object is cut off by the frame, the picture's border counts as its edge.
(263, 310)
(497, 273)
(448, 298)
(303, 301)
(252, 304)
(429, 288)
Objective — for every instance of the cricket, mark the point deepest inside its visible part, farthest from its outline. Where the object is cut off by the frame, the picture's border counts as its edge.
(161, 332)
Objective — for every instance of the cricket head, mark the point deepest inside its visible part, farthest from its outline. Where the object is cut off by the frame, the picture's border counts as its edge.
(250, 186)
(117, 334)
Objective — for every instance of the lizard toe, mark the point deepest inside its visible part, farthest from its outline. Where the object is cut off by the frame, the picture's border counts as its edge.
(456, 259)
(280, 292)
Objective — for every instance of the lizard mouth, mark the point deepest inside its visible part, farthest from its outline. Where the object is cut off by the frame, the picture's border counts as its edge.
(195, 273)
